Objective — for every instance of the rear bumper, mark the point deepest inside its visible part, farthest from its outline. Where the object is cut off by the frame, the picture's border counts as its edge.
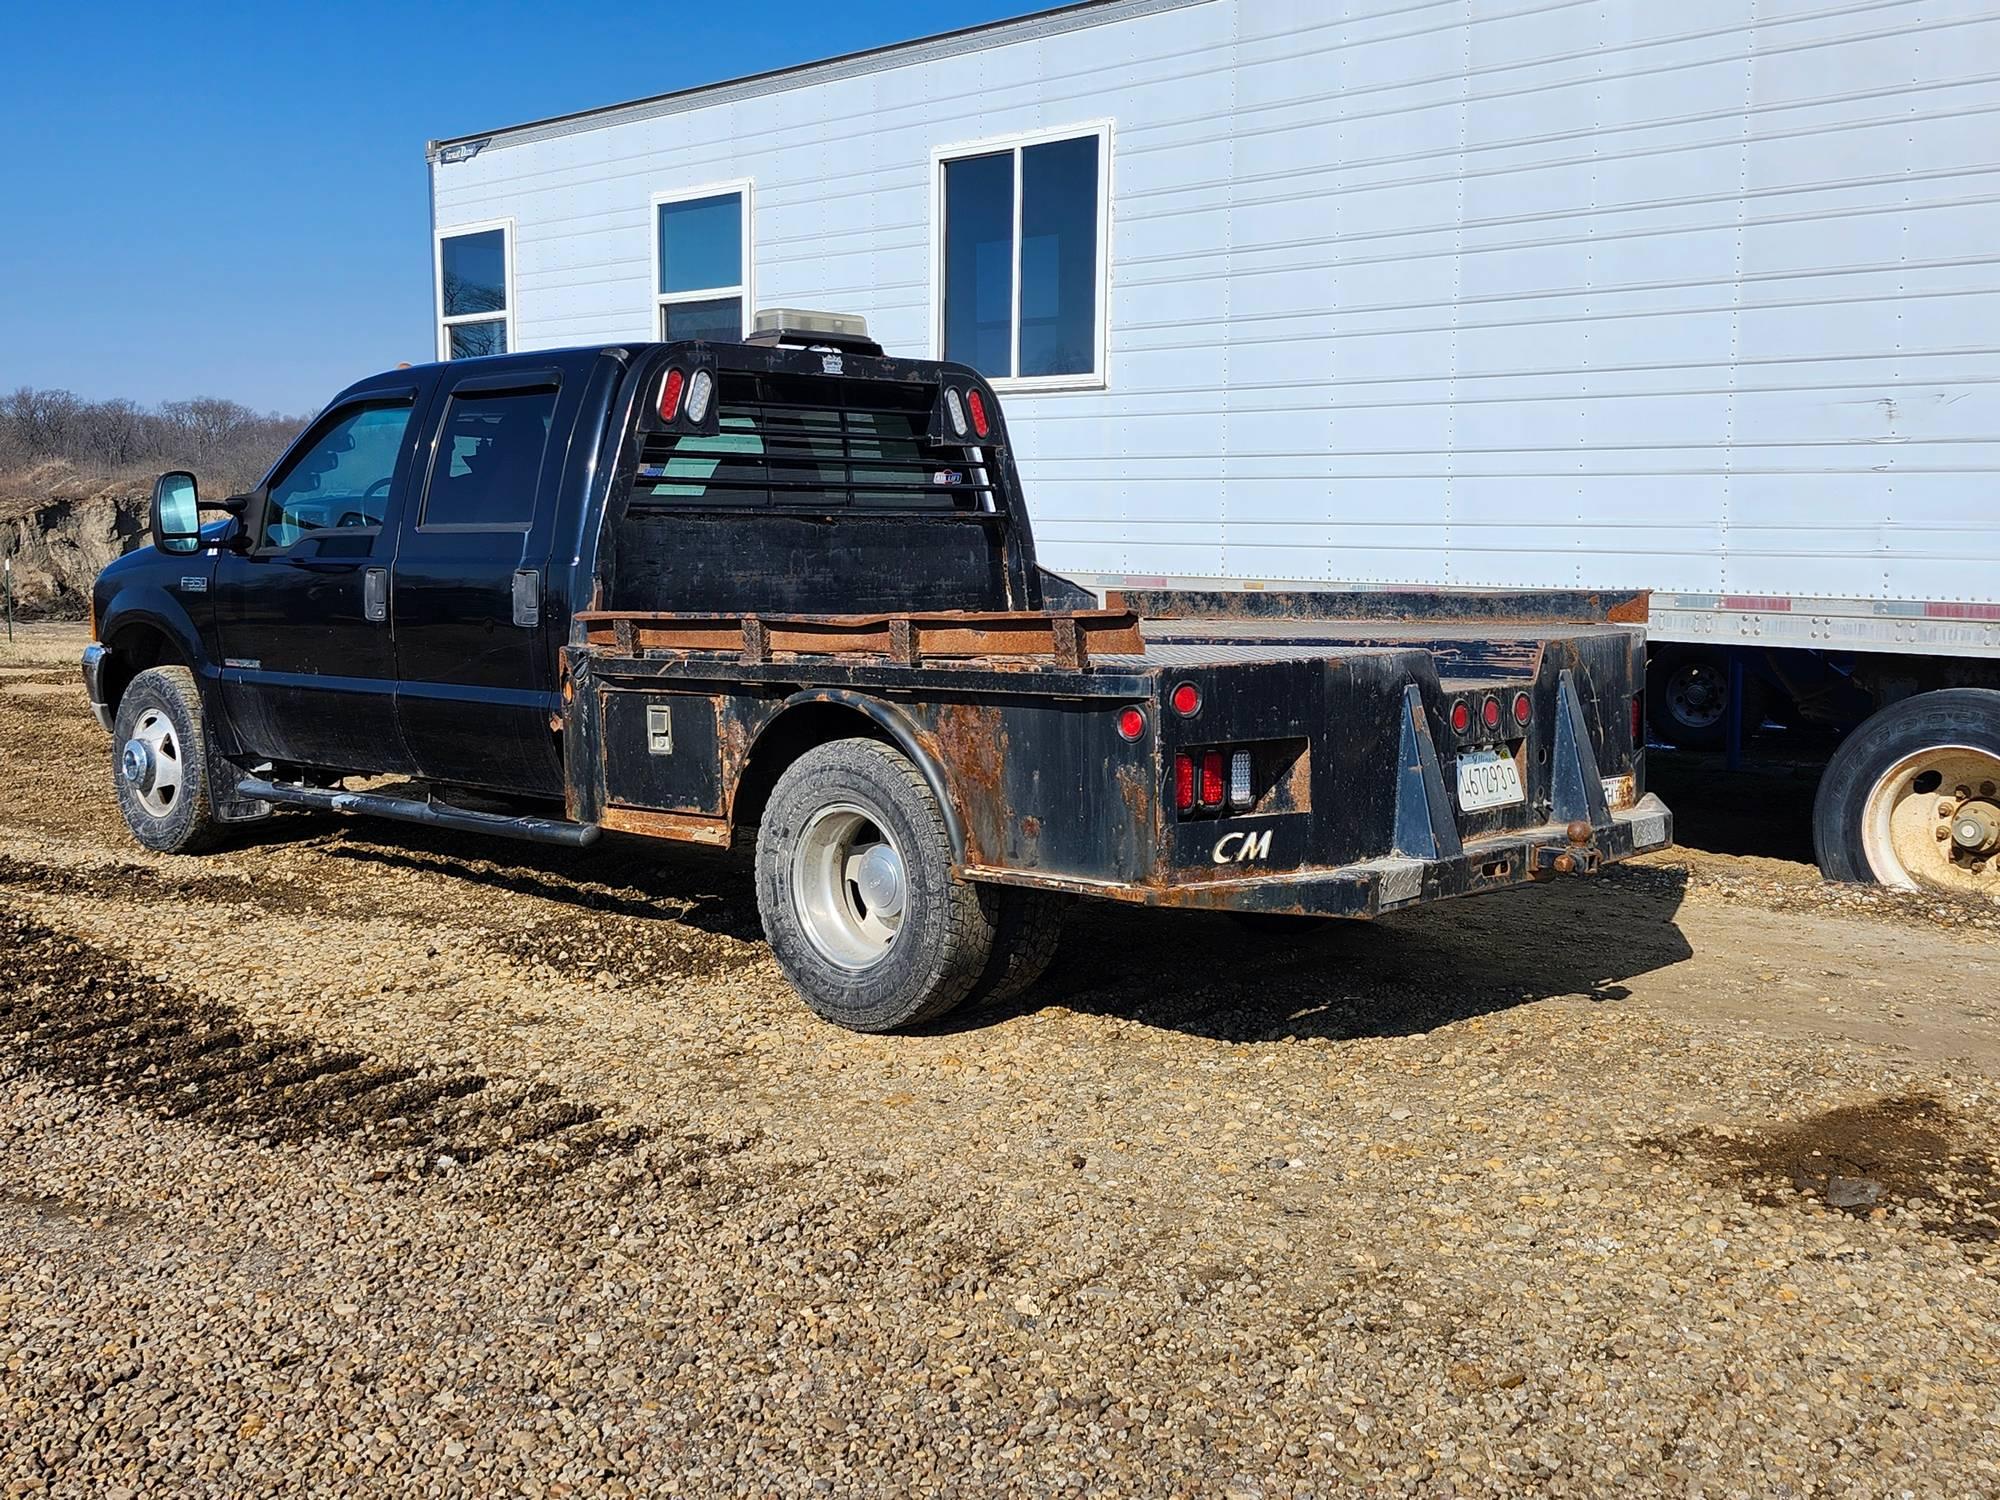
(95, 657)
(1393, 883)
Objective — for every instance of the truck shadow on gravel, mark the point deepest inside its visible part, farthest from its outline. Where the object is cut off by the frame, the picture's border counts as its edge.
(75, 1014)
(1204, 975)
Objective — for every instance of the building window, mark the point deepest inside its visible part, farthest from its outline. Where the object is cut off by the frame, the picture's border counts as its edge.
(701, 262)
(1021, 257)
(475, 270)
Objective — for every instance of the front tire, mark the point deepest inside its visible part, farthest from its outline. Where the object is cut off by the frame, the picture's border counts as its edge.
(161, 763)
(1912, 798)
(855, 888)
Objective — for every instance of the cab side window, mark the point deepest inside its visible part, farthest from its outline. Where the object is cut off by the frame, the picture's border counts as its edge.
(489, 460)
(343, 477)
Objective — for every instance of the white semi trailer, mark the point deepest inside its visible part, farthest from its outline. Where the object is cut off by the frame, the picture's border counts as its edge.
(1700, 298)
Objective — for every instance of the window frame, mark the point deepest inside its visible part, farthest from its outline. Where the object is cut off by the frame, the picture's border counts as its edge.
(446, 324)
(1098, 378)
(526, 382)
(747, 257)
(402, 396)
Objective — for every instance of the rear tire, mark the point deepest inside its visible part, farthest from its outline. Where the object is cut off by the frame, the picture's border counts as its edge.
(855, 888)
(1027, 930)
(162, 767)
(1894, 786)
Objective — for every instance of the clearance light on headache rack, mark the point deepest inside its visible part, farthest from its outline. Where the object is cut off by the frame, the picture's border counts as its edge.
(955, 409)
(976, 404)
(670, 395)
(701, 386)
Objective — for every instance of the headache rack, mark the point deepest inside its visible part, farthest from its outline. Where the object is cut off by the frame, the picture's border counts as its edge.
(812, 443)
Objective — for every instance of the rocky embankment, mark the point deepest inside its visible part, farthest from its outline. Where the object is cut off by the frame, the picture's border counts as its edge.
(59, 527)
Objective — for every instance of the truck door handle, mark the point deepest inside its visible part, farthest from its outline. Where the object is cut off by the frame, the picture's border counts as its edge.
(375, 595)
(527, 596)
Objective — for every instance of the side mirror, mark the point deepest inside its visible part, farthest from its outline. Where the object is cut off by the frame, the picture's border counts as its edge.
(176, 513)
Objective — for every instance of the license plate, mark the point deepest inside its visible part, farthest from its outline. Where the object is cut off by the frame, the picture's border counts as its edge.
(1487, 778)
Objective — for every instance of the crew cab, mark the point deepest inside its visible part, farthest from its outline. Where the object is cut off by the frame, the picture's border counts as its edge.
(784, 592)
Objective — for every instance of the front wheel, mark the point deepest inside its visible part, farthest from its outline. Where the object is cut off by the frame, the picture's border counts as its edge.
(1912, 798)
(160, 763)
(855, 888)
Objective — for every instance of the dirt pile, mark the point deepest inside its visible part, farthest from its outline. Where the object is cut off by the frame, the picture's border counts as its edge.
(59, 527)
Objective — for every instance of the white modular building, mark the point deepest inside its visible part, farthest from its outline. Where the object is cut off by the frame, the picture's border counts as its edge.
(1701, 297)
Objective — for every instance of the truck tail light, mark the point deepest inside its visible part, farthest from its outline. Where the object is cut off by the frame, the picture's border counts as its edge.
(1524, 708)
(1461, 716)
(1489, 712)
(1239, 778)
(670, 395)
(1187, 700)
(976, 404)
(1131, 723)
(1184, 782)
(1211, 778)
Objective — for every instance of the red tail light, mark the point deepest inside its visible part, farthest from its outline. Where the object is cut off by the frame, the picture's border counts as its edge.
(1524, 708)
(1461, 716)
(670, 395)
(1187, 698)
(976, 404)
(1212, 765)
(1131, 723)
(1489, 711)
(1184, 782)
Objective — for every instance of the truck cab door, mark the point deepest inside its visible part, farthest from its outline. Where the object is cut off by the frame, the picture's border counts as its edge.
(301, 613)
(476, 664)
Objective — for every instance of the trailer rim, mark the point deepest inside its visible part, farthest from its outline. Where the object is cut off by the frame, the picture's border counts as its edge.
(1914, 829)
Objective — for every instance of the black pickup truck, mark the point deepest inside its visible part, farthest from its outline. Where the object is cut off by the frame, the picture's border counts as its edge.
(786, 590)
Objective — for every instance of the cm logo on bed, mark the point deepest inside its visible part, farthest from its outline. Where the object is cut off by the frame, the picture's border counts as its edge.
(1241, 848)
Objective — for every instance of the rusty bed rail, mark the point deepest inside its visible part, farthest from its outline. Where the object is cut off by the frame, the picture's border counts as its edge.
(1068, 638)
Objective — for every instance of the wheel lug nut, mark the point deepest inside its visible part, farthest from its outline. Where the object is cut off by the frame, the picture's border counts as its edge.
(1946, 808)
(1943, 834)
(1961, 792)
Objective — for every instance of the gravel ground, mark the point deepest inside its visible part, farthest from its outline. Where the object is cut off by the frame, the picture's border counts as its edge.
(362, 1160)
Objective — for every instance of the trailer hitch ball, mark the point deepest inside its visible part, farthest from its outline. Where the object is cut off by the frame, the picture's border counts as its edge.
(1579, 831)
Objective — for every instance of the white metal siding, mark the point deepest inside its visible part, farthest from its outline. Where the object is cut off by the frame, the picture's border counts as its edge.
(1699, 297)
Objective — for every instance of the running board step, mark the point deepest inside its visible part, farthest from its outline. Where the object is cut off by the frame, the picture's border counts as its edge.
(420, 810)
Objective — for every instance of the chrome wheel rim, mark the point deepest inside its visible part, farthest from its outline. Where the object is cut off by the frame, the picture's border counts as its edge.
(849, 885)
(1932, 821)
(1697, 695)
(151, 763)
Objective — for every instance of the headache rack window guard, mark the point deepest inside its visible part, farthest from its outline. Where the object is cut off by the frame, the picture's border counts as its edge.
(799, 442)
(907, 639)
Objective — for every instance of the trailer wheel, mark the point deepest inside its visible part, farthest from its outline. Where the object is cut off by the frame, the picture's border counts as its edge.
(1687, 699)
(1912, 798)
(855, 887)
(160, 765)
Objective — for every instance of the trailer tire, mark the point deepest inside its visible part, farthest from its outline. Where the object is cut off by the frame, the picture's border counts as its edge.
(1027, 930)
(1892, 788)
(162, 766)
(857, 895)
(1687, 699)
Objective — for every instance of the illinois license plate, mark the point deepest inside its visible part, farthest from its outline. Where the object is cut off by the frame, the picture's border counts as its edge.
(1486, 778)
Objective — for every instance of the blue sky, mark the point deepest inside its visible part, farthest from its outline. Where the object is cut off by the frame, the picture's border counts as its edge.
(230, 200)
